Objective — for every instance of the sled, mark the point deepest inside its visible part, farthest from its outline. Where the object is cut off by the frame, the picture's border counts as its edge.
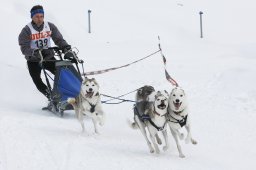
(66, 83)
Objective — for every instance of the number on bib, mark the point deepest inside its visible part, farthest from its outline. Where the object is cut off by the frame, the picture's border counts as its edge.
(41, 43)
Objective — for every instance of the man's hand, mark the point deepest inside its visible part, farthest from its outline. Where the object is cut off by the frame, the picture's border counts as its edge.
(35, 56)
(70, 56)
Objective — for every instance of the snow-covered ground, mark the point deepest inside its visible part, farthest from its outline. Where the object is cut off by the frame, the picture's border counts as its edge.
(216, 72)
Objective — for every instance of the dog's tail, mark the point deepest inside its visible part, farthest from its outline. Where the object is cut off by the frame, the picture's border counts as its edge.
(71, 100)
(132, 125)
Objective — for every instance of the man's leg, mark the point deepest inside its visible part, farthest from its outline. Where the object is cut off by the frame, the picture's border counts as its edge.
(35, 73)
(50, 66)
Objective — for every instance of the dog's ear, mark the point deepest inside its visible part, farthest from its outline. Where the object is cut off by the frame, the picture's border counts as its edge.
(167, 94)
(94, 80)
(158, 93)
(84, 80)
(183, 92)
(151, 97)
(140, 91)
(97, 84)
(173, 90)
(151, 88)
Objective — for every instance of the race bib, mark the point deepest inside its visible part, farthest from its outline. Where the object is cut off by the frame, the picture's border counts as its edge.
(40, 39)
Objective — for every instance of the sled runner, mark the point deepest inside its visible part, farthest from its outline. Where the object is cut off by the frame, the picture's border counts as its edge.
(66, 83)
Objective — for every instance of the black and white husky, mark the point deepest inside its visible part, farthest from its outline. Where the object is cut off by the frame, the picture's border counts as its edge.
(178, 117)
(153, 118)
(88, 103)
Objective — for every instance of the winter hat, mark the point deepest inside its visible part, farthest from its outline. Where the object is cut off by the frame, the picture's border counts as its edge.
(36, 9)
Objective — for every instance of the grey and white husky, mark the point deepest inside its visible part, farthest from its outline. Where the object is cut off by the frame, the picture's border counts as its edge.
(151, 114)
(88, 103)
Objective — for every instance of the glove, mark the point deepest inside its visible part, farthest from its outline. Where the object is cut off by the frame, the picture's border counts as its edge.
(66, 48)
(70, 56)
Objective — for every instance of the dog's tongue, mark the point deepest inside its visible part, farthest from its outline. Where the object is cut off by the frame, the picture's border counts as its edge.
(177, 105)
(89, 94)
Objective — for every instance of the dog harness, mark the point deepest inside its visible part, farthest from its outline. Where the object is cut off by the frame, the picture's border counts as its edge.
(182, 121)
(92, 109)
(142, 117)
(40, 39)
(158, 128)
(145, 117)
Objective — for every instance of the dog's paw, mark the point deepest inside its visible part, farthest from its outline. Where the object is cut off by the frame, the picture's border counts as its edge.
(182, 155)
(131, 124)
(165, 148)
(97, 132)
(71, 100)
(194, 142)
(151, 150)
(157, 151)
(159, 141)
(101, 121)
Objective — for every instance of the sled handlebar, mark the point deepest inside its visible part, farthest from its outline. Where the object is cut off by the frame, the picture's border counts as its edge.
(54, 48)
(59, 52)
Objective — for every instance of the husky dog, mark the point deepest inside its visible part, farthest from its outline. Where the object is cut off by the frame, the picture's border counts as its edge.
(151, 115)
(143, 99)
(178, 117)
(88, 103)
(143, 102)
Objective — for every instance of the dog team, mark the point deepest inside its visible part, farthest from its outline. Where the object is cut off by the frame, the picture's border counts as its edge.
(154, 111)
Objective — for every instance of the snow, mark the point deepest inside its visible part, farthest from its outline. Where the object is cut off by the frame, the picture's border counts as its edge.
(216, 72)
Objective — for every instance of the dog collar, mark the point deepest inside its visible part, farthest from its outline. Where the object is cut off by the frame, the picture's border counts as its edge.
(177, 113)
(159, 114)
